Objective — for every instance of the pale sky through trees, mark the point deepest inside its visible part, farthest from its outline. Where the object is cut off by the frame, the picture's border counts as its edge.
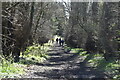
(62, 0)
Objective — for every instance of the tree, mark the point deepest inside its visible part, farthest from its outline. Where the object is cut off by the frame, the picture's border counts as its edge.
(16, 31)
(93, 26)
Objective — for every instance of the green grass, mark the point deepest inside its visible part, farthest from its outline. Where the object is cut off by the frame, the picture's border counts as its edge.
(77, 50)
(32, 55)
(74, 50)
(67, 49)
(31, 59)
(110, 67)
(35, 54)
(97, 61)
(10, 70)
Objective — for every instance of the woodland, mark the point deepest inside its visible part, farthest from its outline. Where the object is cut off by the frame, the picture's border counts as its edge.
(91, 34)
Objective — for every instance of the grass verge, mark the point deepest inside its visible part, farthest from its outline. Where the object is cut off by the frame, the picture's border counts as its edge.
(111, 67)
(10, 70)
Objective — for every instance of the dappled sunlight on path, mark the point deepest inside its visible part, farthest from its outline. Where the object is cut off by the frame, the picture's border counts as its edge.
(63, 65)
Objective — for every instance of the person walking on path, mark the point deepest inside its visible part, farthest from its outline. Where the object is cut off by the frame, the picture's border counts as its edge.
(52, 40)
(60, 41)
(57, 40)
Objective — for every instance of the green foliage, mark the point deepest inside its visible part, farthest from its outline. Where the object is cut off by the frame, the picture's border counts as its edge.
(97, 58)
(8, 69)
(111, 67)
(77, 50)
(36, 50)
(35, 54)
(67, 49)
(83, 53)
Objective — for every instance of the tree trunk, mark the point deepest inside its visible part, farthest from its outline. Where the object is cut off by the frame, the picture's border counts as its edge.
(104, 33)
(20, 41)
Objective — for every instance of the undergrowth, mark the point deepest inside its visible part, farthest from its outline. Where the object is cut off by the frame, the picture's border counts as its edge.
(111, 67)
(8, 69)
(35, 54)
(32, 55)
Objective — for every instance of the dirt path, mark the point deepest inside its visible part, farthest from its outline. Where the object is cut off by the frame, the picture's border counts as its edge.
(61, 65)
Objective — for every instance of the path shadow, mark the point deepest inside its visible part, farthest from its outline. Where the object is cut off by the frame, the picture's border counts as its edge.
(51, 74)
(62, 58)
(75, 71)
(79, 73)
(52, 50)
(49, 65)
(80, 70)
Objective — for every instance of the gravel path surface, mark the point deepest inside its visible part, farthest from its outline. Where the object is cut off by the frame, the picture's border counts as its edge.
(65, 66)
